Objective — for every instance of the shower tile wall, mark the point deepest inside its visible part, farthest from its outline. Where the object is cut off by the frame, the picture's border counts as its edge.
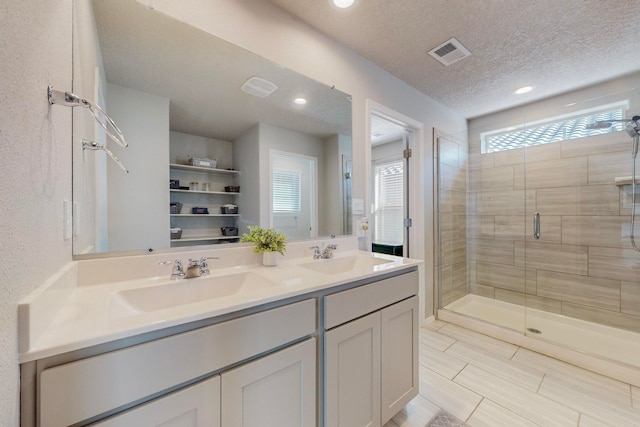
(583, 265)
(452, 164)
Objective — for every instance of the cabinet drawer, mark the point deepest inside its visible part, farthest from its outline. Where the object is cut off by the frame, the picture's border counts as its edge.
(344, 306)
(79, 390)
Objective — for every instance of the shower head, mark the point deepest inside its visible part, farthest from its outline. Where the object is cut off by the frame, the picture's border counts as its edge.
(632, 127)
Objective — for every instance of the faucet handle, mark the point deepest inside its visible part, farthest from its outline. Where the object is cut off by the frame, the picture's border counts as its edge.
(178, 269)
(204, 265)
(316, 252)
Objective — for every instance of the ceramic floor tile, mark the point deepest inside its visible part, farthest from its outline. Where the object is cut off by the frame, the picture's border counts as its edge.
(435, 325)
(587, 421)
(445, 419)
(588, 382)
(635, 397)
(532, 406)
(453, 398)
(484, 342)
(435, 339)
(490, 414)
(392, 424)
(446, 365)
(418, 413)
(514, 372)
(562, 391)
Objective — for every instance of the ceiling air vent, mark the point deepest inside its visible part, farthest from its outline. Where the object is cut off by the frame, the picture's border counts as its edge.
(258, 87)
(449, 52)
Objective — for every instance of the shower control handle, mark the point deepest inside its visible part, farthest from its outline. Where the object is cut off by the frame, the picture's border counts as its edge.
(536, 225)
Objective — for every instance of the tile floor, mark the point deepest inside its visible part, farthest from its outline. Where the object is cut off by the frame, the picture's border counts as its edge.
(488, 383)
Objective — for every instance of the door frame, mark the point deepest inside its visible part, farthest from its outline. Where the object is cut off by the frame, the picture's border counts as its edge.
(419, 211)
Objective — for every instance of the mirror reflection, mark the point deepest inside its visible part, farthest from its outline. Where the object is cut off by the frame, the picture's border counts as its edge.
(216, 138)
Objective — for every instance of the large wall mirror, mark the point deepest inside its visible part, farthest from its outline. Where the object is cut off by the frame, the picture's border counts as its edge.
(205, 158)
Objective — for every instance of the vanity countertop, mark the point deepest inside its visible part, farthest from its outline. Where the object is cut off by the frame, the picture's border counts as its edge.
(96, 314)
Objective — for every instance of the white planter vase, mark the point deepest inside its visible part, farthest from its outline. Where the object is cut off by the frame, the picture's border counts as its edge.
(270, 259)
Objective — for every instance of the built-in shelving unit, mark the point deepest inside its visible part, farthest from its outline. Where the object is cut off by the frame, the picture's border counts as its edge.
(208, 229)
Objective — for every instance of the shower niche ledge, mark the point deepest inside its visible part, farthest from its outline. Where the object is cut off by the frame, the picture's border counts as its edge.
(625, 180)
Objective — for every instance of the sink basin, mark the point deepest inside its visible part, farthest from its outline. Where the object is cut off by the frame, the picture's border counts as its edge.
(188, 291)
(344, 264)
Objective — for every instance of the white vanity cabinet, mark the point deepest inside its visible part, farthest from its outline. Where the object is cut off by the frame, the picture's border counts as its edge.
(276, 391)
(194, 406)
(371, 352)
(124, 379)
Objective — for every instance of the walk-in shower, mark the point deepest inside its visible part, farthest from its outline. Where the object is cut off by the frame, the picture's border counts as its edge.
(576, 288)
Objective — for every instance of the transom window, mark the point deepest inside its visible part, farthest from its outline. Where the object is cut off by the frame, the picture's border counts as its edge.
(554, 129)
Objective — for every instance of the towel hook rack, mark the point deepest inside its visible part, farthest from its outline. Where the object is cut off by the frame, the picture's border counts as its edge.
(92, 145)
(69, 99)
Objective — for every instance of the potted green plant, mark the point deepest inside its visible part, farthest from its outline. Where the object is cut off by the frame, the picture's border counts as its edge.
(268, 241)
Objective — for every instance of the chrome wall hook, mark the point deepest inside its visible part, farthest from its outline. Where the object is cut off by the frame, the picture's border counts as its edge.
(94, 146)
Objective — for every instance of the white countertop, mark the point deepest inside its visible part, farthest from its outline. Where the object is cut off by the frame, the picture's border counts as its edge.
(90, 315)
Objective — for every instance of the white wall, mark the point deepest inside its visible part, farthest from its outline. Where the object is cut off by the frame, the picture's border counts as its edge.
(138, 215)
(246, 155)
(35, 159)
(183, 146)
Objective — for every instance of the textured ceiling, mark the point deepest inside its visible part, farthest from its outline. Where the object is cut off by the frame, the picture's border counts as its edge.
(553, 45)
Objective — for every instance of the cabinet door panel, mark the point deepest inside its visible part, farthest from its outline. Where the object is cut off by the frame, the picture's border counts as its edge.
(399, 337)
(278, 390)
(194, 406)
(353, 374)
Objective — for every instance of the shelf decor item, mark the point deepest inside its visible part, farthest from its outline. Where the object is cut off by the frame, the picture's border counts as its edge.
(267, 241)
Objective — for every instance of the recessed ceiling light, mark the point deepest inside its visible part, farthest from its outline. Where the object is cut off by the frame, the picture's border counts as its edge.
(343, 4)
(524, 89)
(300, 101)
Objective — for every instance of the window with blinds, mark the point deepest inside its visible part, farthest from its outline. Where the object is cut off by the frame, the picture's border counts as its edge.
(286, 194)
(388, 203)
(550, 130)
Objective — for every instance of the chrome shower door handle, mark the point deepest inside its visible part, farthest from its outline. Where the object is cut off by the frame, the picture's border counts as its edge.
(536, 225)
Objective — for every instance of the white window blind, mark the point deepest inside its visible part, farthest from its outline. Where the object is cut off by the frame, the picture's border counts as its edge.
(286, 195)
(388, 204)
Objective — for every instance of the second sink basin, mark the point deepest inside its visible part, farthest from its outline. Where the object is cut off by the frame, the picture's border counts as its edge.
(344, 264)
(188, 291)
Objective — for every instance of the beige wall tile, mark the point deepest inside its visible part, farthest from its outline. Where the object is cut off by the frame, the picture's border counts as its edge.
(614, 263)
(454, 251)
(604, 168)
(501, 276)
(481, 226)
(531, 281)
(606, 317)
(509, 157)
(552, 173)
(446, 278)
(611, 231)
(544, 304)
(478, 161)
(500, 203)
(472, 203)
(539, 153)
(471, 270)
(626, 198)
(510, 296)
(600, 144)
(586, 200)
(588, 291)
(630, 299)
(557, 257)
(453, 202)
(453, 178)
(492, 251)
(453, 226)
(519, 253)
(483, 291)
(453, 295)
(459, 275)
(509, 227)
(491, 179)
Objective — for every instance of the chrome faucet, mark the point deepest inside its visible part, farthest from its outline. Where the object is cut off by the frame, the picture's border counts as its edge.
(326, 253)
(195, 268)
